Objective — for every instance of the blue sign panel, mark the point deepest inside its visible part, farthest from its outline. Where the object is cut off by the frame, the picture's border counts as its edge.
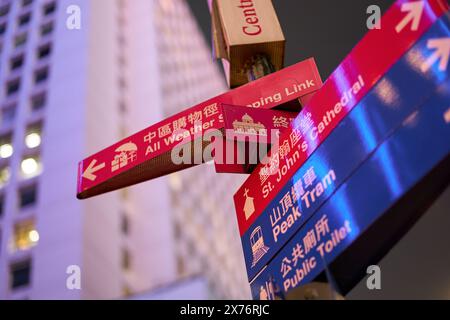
(402, 90)
(407, 155)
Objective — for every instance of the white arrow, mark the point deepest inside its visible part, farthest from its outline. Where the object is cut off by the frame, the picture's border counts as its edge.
(91, 169)
(442, 52)
(415, 10)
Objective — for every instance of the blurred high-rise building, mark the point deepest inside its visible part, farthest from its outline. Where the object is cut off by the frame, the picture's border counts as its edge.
(69, 90)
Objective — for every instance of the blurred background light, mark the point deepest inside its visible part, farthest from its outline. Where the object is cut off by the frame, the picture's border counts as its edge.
(33, 235)
(6, 150)
(29, 166)
(33, 140)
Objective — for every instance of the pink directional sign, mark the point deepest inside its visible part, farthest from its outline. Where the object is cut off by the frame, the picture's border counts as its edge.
(147, 154)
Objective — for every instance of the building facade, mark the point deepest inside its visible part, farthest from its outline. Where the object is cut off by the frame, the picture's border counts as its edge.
(76, 76)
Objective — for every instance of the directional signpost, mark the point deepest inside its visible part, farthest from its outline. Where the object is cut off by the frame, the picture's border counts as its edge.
(359, 107)
(375, 133)
(382, 110)
(394, 168)
(353, 79)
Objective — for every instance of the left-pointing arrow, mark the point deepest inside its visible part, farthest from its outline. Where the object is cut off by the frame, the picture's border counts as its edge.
(91, 169)
(441, 52)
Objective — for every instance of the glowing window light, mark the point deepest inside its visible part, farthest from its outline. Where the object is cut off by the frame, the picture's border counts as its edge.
(29, 166)
(25, 236)
(5, 174)
(6, 150)
(33, 235)
(33, 140)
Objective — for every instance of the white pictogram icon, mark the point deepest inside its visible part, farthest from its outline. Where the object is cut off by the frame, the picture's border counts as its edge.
(127, 153)
(91, 169)
(249, 126)
(249, 206)
(259, 249)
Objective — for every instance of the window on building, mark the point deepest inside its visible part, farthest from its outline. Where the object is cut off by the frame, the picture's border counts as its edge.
(47, 29)
(126, 291)
(20, 274)
(41, 75)
(126, 263)
(27, 196)
(123, 131)
(38, 101)
(2, 28)
(125, 224)
(2, 205)
(5, 175)
(49, 8)
(4, 10)
(44, 51)
(33, 136)
(121, 40)
(26, 3)
(30, 167)
(20, 40)
(12, 87)
(121, 4)
(181, 265)
(124, 194)
(121, 19)
(17, 62)
(123, 108)
(6, 148)
(25, 235)
(122, 83)
(8, 114)
(24, 19)
(122, 60)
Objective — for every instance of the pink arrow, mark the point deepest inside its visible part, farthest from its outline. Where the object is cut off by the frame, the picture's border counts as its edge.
(415, 10)
(91, 169)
